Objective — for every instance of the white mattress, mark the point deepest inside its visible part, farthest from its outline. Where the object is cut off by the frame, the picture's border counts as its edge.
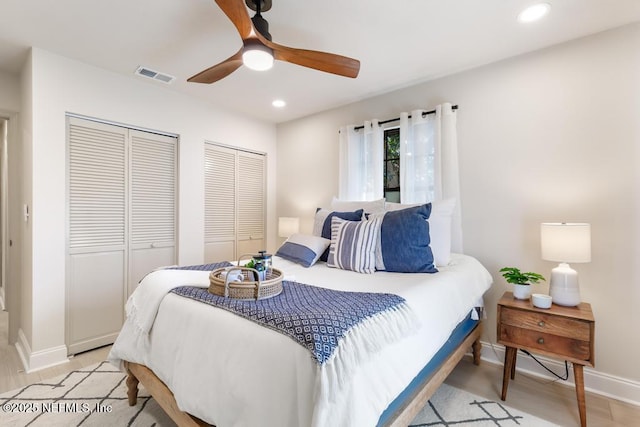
(229, 371)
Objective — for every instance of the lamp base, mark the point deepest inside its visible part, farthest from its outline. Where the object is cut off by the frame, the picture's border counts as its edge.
(564, 288)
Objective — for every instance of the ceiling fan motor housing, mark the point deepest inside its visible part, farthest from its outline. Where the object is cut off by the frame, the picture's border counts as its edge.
(265, 5)
(261, 25)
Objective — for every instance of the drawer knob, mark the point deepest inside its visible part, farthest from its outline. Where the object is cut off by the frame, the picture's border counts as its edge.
(540, 340)
(541, 323)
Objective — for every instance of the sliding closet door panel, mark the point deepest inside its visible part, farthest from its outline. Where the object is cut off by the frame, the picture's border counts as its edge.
(220, 169)
(121, 222)
(153, 204)
(251, 202)
(234, 203)
(96, 236)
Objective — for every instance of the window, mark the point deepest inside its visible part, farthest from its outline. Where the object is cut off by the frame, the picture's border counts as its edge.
(391, 140)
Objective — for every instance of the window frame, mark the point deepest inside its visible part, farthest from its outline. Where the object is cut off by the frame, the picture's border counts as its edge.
(390, 131)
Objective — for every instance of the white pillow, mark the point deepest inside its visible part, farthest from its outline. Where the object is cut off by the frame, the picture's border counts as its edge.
(369, 207)
(440, 230)
(392, 206)
(439, 227)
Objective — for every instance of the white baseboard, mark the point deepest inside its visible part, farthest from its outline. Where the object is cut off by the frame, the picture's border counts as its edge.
(35, 361)
(596, 382)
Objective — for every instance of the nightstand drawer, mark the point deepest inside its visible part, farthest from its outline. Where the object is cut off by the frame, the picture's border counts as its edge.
(548, 324)
(570, 348)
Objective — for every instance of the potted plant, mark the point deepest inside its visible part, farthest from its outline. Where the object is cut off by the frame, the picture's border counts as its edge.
(521, 281)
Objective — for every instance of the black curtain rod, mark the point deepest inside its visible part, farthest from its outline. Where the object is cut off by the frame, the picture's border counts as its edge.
(453, 107)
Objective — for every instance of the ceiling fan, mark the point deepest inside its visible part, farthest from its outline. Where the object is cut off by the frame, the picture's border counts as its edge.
(259, 52)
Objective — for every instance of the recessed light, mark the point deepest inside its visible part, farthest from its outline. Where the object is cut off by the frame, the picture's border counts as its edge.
(534, 12)
(278, 103)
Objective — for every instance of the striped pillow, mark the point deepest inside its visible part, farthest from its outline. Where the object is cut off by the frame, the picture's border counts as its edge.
(353, 245)
(322, 224)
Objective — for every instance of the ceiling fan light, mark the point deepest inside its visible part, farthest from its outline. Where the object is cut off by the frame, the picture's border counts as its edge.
(257, 57)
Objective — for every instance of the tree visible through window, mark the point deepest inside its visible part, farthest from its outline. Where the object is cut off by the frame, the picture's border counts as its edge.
(392, 165)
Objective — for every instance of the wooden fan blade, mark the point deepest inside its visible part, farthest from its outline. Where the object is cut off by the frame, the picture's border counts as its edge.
(323, 61)
(219, 71)
(237, 13)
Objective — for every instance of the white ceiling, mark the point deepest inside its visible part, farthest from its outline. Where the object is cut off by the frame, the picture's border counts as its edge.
(399, 43)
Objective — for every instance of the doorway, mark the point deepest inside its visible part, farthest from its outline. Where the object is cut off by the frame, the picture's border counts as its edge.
(10, 231)
(4, 125)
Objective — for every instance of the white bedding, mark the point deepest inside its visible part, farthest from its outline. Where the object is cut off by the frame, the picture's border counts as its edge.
(230, 371)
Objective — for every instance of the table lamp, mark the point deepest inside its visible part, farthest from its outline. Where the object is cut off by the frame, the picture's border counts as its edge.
(288, 226)
(565, 242)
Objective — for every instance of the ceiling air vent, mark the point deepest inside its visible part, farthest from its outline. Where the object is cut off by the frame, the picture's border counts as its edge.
(147, 72)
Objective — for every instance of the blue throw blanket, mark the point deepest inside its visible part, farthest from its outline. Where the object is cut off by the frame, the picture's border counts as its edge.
(202, 267)
(317, 318)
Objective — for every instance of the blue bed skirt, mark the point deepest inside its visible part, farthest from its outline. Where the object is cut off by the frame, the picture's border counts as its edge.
(455, 339)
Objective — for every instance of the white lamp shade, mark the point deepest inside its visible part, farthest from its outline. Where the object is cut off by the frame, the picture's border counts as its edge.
(566, 242)
(288, 226)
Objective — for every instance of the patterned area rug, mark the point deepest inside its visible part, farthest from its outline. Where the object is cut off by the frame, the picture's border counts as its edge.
(450, 406)
(97, 396)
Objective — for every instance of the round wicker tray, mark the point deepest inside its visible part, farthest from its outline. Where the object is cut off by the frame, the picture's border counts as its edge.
(251, 287)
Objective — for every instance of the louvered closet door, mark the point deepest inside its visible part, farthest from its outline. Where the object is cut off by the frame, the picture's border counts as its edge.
(96, 233)
(251, 203)
(152, 238)
(234, 203)
(122, 223)
(219, 203)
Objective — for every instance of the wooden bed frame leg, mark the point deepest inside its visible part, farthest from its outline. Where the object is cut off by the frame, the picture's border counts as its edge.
(132, 388)
(160, 393)
(476, 346)
(477, 350)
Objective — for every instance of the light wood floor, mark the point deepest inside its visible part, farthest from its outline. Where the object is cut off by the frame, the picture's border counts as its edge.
(12, 375)
(552, 401)
(546, 399)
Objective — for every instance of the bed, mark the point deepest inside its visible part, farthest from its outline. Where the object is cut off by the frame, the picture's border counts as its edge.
(410, 324)
(225, 370)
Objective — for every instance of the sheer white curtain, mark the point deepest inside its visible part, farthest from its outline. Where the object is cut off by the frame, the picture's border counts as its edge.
(429, 161)
(361, 162)
(419, 168)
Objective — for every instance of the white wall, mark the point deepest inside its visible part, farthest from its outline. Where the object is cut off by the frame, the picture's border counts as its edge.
(25, 244)
(61, 85)
(549, 136)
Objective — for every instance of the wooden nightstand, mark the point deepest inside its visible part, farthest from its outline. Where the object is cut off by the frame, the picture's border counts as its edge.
(562, 332)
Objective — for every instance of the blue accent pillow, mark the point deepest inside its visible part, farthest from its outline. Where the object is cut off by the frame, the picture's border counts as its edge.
(303, 249)
(322, 224)
(404, 241)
